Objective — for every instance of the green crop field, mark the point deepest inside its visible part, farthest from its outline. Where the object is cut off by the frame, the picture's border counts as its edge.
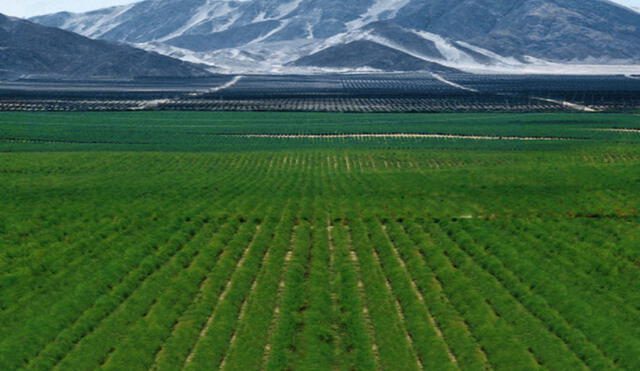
(274, 241)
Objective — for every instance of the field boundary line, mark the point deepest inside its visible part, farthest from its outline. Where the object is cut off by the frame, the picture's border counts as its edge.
(155, 103)
(619, 130)
(405, 135)
(453, 84)
(565, 104)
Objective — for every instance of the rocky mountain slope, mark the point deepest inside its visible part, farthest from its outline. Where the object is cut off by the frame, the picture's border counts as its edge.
(271, 35)
(28, 49)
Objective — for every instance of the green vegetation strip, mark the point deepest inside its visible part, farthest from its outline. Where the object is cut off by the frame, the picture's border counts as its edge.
(165, 241)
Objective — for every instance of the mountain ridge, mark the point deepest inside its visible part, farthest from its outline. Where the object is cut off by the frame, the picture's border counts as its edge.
(269, 35)
(29, 49)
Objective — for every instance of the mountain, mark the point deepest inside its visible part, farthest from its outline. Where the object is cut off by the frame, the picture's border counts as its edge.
(364, 54)
(275, 35)
(34, 50)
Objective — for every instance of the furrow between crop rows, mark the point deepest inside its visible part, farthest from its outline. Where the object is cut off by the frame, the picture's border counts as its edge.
(417, 292)
(460, 339)
(394, 347)
(241, 251)
(89, 321)
(137, 305)
(246, 353)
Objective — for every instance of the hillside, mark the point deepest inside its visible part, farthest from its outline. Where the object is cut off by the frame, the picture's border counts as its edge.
(32, 50)
(267, 35)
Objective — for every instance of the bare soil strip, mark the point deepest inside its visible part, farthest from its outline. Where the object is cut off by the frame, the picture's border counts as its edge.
(227, 85)
(346, 161)
(620, 130)
(155, 103)
(396, 135)
(453, 84)
(573, 106)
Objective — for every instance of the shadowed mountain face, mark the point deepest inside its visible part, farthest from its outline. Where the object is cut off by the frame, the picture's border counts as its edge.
(558, 30)
(268, 34)
(363, 53)
(34, 50)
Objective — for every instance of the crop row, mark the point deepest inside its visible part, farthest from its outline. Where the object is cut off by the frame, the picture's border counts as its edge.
(287, 291)
(340, 259)
(312, 104)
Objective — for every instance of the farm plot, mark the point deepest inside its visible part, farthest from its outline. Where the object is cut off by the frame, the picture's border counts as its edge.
(600, 93)
(397, 93)
(201, 131)
(337, 253)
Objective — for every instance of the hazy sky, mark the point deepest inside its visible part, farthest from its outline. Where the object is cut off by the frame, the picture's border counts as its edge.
(28, 8)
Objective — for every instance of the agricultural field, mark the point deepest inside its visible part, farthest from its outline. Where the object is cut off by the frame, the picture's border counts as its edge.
(364, 93)
(311, 241)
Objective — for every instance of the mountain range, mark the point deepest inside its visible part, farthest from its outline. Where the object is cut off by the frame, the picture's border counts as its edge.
(284, 35)
(32, 50)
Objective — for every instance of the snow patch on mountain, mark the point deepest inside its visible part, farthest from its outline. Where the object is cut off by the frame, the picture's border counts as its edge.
(310, 35)
(450, 52)
(490, 54)
(260, 39)
(453, 84)
(287, 8)
(281, 11)
(379, 10)
(95, 25)
(267, 35)
(390, 44)
(454, 57)
(208, 11)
